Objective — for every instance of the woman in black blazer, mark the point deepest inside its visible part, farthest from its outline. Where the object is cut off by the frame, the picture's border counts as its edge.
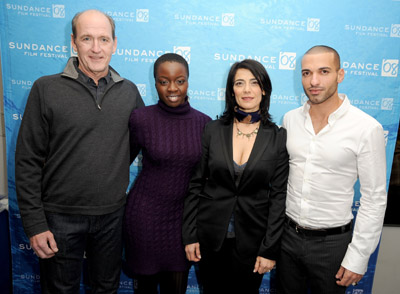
(235, 208)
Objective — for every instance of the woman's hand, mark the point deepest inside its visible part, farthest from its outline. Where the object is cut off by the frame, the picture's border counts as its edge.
(193, 252)
(263, 265)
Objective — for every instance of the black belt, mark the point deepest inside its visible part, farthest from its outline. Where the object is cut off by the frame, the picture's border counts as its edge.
(318, 232)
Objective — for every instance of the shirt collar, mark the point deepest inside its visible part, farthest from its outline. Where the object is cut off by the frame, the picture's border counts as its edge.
(84, 78)
(334, 115)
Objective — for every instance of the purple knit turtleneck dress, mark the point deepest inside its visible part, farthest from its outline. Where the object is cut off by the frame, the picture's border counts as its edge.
(170, 140)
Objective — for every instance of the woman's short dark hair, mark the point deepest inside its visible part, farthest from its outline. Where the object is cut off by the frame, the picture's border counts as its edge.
(259, 72)
(171, 57)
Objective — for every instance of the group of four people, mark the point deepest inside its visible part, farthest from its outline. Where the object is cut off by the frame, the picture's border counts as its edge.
(239, 195)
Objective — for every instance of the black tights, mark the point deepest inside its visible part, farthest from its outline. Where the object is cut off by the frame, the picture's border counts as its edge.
(170, 283)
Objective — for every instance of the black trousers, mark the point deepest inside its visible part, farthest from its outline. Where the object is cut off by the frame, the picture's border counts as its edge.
(100, 237)
(225, 272)
(310, 263)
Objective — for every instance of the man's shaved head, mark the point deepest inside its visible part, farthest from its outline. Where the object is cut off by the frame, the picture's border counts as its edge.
(325, 49)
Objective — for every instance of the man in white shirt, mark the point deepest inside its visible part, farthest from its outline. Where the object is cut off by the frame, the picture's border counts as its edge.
(331, 144)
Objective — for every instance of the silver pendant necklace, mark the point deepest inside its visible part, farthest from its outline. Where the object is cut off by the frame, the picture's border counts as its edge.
(248, 135)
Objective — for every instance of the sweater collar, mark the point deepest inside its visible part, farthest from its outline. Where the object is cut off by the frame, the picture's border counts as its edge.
(70, 70)
(182, 109)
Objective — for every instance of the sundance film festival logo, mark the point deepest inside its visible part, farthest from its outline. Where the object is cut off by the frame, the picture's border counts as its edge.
(142, 15)
(30, 277)
(390, 67)
(310, 25)
(149, 55)
(225, 19)
(40, 50)
(361, 68)
(228, 19)
(58, 11)
(284, 99)
(221, 94)
(287, 60)
(55, 11)
(202, 94)
(313, 24)
(139, 55)
(372, 31)
(387, 104)
(183, 51)
(395, 31)
(366, 104)
(268, 61)
(142, 89)
(24, 84)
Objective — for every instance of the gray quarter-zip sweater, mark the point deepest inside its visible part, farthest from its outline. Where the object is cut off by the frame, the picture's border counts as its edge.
(72, 153)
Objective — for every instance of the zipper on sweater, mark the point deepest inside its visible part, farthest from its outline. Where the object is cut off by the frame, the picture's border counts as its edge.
(104, 94)
(94, 98)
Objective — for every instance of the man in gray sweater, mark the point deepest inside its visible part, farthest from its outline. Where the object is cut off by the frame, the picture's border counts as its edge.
(72, 162)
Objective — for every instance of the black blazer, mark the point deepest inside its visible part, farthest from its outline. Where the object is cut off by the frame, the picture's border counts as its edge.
(258, 203)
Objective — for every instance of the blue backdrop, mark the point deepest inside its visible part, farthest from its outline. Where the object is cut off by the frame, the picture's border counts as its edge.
(211, 35)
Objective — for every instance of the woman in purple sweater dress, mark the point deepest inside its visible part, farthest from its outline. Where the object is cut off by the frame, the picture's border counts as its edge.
(169, 135)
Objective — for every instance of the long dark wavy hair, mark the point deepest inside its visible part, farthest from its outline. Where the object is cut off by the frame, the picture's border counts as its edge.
(262, 77)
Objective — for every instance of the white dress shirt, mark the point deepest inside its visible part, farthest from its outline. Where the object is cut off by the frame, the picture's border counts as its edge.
(324, 168)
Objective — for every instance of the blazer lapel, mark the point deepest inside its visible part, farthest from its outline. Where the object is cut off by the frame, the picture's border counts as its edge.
(262, 140)
(227, 149)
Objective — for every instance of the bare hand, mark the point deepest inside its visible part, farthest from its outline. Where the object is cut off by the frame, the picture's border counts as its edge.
(44, 244)
(346, 277)
(263, 265)
(193, 252)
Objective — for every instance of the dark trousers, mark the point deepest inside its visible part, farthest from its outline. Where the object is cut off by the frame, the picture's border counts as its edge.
(225, 272)
(307, 262)
(100, 237)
